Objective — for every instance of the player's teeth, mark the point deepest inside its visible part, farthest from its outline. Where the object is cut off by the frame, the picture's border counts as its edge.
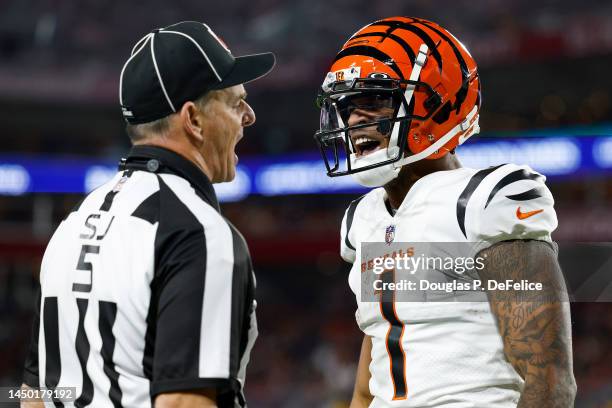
(363, 140)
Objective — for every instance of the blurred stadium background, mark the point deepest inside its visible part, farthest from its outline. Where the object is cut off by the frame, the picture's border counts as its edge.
(547, 102)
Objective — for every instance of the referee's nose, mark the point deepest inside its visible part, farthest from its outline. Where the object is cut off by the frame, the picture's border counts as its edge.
(248, 118)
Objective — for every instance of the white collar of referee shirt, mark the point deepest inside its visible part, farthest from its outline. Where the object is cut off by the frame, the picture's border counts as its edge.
(156, 159)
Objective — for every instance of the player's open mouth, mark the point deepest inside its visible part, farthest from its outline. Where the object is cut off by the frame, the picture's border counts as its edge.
(365, 145)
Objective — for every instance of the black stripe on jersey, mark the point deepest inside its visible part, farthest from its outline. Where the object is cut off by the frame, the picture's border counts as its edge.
(110, 196)
(394, 339)
(148, 210)
(30, 372)
(53, 369)
(371, 52)
(433, 47)
(108, 314)
(149, 347)
(243, 296)
(172, 340)
(349, 221)
(527, 195)
(108, 200)
(466, 194)
(462, 92)
(511, 178)
(388, 34)
(82, 349)
(242, 300)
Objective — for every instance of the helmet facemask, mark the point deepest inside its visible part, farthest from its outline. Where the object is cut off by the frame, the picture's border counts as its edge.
(385, 108)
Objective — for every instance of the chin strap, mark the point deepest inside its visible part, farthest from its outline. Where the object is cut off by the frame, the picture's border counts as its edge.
(469, 125)
(419, 62)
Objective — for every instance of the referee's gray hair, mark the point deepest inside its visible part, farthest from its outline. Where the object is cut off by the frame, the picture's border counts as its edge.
(160, 126)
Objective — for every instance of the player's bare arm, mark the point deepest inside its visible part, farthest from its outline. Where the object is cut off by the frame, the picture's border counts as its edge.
(536, 330)
(30, 404)
(202, 399)
(361, 394)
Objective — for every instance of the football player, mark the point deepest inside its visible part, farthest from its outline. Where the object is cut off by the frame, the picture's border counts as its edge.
(400, 96)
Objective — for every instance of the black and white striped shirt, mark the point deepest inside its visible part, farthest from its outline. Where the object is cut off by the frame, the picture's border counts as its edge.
(145, 288)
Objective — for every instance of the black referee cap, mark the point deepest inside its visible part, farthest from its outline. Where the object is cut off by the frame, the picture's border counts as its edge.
(178, 63)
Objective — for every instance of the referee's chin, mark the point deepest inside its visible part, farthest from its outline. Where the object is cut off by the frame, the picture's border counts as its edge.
(231, 168)
(229, 174)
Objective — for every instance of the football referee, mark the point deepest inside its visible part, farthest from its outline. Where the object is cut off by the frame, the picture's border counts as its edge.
(147, 291)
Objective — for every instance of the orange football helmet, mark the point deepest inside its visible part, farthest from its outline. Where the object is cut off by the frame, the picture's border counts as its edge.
(418, 69)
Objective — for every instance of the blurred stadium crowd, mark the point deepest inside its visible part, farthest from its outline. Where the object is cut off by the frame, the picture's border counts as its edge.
(60, 61)
(543, 65)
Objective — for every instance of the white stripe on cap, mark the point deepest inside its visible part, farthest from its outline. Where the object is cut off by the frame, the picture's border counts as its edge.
(146, 37)
(142, 42)
(161, 82)
(217, 38)
(198, 47)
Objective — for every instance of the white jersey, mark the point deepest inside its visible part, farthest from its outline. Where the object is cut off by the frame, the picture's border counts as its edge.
(447, 354)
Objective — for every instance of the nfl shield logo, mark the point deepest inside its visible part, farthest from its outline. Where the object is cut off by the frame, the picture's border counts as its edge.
(390, 234)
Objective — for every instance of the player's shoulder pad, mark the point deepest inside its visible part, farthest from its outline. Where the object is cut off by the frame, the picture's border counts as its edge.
(353, 214)
(507, 202)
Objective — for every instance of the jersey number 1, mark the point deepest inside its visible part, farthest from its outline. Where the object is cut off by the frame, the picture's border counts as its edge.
(397, 358)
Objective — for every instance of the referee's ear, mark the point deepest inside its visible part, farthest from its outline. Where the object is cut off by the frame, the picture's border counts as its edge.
(191, 121)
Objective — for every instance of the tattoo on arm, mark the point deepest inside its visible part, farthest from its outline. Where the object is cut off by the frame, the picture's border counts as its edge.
(535, 325)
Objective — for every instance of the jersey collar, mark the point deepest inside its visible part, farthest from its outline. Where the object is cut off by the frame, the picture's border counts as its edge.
(156, 159)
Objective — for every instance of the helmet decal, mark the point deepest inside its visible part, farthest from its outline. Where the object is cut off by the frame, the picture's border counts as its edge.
(425, 38)
(461, 94)
(379, 75)
(371, 52)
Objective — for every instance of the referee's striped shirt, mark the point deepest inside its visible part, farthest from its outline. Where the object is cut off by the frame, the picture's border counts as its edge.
(145, 288)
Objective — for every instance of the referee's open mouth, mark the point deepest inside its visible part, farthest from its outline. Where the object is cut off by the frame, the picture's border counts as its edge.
(235, 144)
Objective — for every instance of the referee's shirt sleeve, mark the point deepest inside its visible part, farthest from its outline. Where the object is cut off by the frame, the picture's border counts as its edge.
(198, 311)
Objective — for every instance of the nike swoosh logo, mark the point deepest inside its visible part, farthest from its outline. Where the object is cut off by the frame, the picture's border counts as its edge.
(524, 215)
